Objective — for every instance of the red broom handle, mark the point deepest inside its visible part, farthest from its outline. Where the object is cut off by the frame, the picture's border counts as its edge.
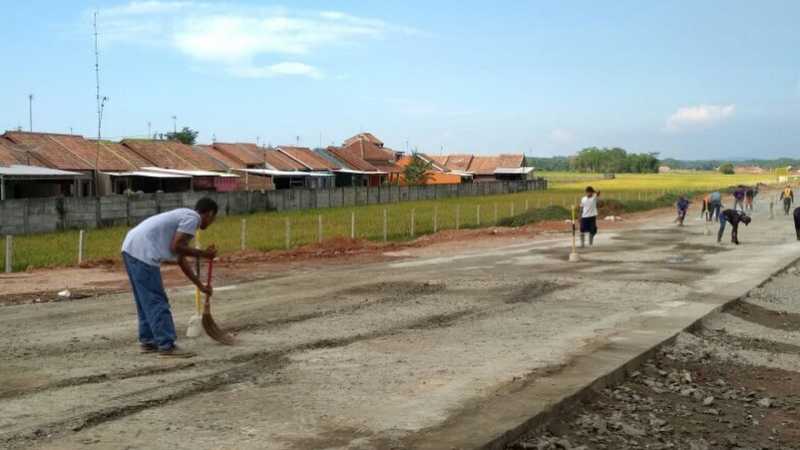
(210, 269)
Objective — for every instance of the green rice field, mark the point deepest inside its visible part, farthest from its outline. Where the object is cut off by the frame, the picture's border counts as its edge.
(404, 221)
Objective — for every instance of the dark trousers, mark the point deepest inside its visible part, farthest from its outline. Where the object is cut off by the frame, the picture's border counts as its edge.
(787, 205)
(713, 211)
(797, 222)
(734, 231)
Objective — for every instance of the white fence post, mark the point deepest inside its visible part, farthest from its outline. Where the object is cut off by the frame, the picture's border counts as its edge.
(495, 213)
(9, 252)
(288, 234)
(512, 209)
(458, 217)
(81, 236)
(526, 205)
(478, 215)
(243, 236)
(385, 225)
(352, 224)
(319, 228)
(412, 222)
(435, 218)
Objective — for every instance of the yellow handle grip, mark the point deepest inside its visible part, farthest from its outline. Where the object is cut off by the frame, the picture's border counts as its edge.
(198, 303)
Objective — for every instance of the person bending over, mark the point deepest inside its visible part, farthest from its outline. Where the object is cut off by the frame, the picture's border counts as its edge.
(683, 207)
(733, 217)
(163, 237)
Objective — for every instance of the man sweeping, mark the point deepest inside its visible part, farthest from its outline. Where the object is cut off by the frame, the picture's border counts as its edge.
(589, 215)
(164, 237)
(734, 217)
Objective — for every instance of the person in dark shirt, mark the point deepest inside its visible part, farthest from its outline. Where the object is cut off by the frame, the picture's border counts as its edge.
(683, 206)
(734, 217)
(797, 222)
(738, 198)
(787, 195)
(749, 195)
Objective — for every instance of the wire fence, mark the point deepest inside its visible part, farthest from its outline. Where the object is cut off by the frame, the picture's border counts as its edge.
(290, 229)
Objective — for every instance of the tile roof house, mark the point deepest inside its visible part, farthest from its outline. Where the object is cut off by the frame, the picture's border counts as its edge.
(367, 137)
(11, 153)
(49, 148)
(223, 161)
(280, 161)
(171, 155)
(487, 168)
(438, 174)
(455, 162)
(364, 146)
(250, 155)
(309, 159)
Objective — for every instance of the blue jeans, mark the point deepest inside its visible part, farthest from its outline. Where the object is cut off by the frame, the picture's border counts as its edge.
(155, 318)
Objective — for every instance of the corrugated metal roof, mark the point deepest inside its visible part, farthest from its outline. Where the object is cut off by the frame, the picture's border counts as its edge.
(350, 159)
(35, 171)
(49, 151)
(144, 174)
(193, 173)
(307, 158)
(280, 161)
(246, 153)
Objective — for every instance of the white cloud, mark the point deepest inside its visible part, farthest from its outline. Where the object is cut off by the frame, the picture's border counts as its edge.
(280, 69)
(692, 117)
(237, 35)
(561, 136)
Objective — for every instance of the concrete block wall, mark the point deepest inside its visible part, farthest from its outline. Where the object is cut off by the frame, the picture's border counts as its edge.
(41, 215)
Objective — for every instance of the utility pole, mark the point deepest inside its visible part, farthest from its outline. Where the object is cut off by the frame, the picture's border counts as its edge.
(30, 113)
(297, 139)
(149, 132)
(175, 124)
(100, 105)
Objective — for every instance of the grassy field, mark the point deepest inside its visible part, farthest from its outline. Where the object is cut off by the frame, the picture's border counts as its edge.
(268, 231)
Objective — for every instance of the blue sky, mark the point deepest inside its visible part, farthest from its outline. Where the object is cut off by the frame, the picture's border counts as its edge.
(709, 79)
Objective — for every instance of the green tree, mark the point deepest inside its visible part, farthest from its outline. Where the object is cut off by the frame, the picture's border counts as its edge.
(416, 172)
(727, 169)
(187, 136)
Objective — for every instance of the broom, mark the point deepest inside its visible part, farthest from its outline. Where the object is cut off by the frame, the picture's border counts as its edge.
(213, 331)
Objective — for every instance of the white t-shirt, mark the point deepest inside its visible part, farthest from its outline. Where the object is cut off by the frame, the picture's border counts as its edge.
(589, 206)
(150, 241)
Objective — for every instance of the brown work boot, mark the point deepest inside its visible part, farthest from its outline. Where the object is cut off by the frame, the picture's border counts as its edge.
(176, 352)
(147, 348)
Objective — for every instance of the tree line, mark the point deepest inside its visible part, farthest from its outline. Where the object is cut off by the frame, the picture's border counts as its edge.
(600, 160)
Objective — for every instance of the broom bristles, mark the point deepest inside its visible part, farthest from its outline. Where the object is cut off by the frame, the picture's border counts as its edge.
(214, 331)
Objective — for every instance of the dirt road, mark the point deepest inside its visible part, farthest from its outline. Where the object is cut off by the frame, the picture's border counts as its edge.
(435, 351)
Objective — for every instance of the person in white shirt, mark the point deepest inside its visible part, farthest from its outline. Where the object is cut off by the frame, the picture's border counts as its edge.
(159, 238)
(589, 215)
